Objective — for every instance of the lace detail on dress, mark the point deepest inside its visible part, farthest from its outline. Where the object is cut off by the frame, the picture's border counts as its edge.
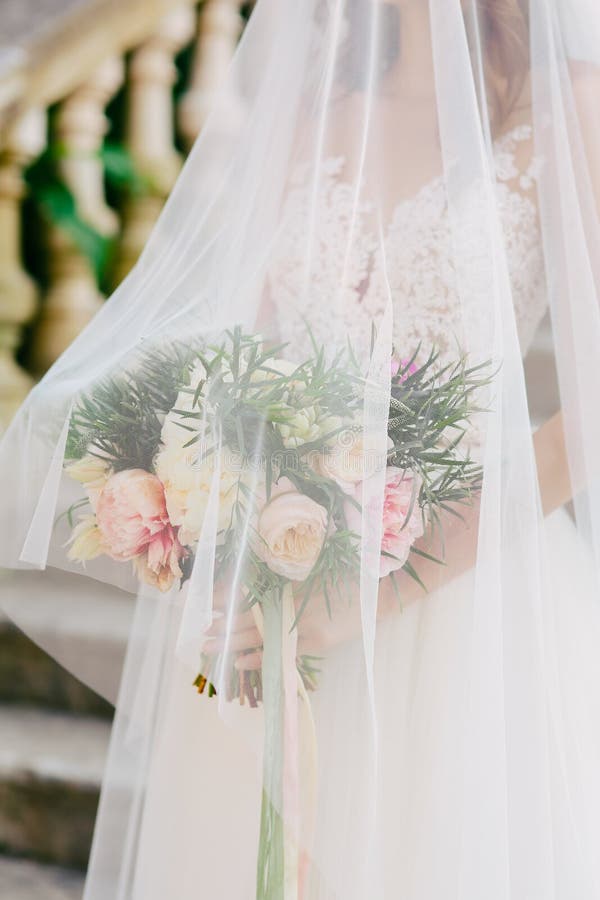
(420, 260)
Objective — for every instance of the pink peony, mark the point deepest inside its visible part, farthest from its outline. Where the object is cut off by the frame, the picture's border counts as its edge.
(131, 512)
(400, 530)
(132, 518)
(159, 565)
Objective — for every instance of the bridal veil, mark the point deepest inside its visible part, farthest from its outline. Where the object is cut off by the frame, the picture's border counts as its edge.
(406, 180)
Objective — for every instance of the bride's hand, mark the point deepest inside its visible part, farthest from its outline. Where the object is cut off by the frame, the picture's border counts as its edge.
(318, 631)
(323, 624)
(234, 630)
(320, 628)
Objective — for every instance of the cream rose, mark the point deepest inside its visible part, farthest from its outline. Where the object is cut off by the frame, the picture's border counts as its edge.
(350, 460)
(291, 530)
(187, 480)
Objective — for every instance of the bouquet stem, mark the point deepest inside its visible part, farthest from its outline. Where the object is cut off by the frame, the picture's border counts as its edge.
(278, 854)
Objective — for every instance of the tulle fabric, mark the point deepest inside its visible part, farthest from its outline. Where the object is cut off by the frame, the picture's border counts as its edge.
(197, 817)
(456, 740)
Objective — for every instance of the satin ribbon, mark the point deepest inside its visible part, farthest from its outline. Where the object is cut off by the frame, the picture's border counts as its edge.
(298, 725)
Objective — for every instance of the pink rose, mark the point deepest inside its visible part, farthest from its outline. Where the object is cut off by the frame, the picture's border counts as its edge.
(402, 527)
(400, 530)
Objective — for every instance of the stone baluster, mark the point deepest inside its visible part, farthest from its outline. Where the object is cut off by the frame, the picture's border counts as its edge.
(18, 294)
(73, 296)
(218, 31)
(150, 132)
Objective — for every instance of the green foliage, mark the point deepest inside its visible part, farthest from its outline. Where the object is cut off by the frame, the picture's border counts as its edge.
(121, 419)
(57, 205)
(246, 10)
(49, 192)
(430, 411)
(121, 172)
(334, 573)
(249, 397)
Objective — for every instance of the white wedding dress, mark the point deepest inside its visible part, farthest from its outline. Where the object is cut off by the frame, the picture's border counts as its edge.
(435, 839)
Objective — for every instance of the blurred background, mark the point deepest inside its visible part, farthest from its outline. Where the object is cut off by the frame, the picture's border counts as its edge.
(100, 100)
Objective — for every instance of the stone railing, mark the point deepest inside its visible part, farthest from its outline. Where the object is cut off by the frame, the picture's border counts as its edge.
(70, 58)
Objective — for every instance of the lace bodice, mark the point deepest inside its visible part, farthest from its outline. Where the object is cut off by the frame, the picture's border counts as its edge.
(420, 249)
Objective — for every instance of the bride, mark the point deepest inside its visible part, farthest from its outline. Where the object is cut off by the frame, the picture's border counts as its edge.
(414, 180)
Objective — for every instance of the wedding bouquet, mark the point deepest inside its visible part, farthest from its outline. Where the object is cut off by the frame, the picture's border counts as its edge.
(284, 448)
(285, 442)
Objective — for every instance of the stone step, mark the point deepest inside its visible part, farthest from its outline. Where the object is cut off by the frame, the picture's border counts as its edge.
(51, 767)
(26, 880)
(84, 623)
(28, 676)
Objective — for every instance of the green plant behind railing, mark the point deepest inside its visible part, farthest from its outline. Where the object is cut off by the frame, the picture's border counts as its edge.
(57, 206)
(50, 201)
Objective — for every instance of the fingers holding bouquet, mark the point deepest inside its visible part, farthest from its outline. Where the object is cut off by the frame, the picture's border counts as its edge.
(234, 632)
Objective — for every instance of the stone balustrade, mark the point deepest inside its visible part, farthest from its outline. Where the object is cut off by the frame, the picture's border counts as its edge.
(62, 62)
(23, 140)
